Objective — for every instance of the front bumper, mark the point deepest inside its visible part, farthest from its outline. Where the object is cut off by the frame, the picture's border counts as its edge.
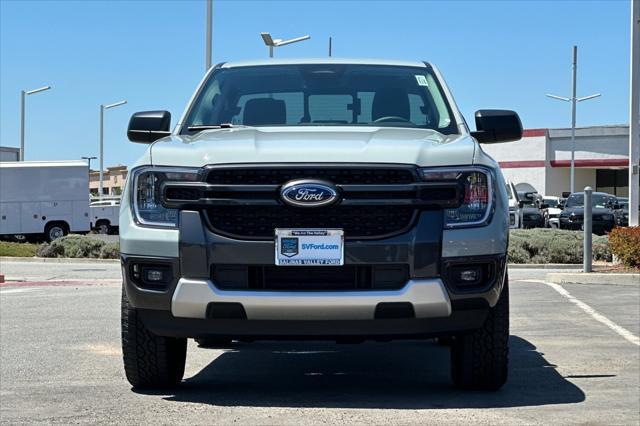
(597, 226)
(192, 305)
(201, 299)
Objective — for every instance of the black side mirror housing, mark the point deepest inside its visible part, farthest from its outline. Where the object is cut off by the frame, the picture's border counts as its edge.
(497, 125)
(520, 204)
(149, 126)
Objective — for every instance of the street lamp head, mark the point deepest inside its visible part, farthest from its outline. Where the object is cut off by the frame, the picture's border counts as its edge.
(34, 91)
(268, 40)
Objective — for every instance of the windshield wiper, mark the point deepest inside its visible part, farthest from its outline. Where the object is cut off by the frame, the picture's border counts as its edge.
(212, 126)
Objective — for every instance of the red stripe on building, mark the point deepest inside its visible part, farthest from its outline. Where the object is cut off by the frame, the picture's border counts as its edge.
(596, 162)
(521, 164)
(529, 133)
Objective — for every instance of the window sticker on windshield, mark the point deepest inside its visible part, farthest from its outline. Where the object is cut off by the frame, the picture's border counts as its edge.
(422, 80)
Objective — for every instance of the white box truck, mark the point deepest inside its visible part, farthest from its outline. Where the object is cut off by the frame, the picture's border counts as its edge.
(44, 198)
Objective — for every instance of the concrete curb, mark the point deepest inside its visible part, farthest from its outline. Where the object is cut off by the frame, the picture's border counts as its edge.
(55, 260)
(594, 278)
(545, 265)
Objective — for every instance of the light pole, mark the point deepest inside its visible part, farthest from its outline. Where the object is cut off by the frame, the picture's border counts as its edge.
(23, 95)
(102, 108)
(634, 117)
(89, 161)
(271, 42)
(208, 36)
(573, 99)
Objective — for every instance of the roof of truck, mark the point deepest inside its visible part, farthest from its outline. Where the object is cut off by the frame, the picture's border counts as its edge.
(332, 60)
(22, 164)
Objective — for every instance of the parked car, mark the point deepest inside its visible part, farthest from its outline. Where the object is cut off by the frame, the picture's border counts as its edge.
(105, 216)
(515, 207)
(43, 199)
(316, 199)
(622, 211)
(552, 211)
(532, 215)
(572, 216)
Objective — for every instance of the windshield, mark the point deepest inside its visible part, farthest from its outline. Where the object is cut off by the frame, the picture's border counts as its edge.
(551, 202)
(597, 200)
(323, 95)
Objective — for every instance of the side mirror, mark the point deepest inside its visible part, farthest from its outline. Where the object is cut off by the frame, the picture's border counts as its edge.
(149, 126)
(497, 125)
(520, 204)
(544, 206)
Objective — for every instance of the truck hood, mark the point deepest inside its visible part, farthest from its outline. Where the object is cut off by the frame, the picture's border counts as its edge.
(314, 144)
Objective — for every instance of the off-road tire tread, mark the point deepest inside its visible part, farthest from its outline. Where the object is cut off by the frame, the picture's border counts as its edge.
(150, 361)
(479, 360)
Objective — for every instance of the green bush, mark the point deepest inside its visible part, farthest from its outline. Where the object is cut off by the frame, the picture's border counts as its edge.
(625, 244)
(553, 246)
(17, 249)
(110, 251)
(79, 246)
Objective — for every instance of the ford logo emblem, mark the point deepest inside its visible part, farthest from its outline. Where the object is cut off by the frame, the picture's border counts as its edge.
(308, 193)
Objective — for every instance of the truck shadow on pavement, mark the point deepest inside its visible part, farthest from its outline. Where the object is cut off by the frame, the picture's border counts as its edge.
(399, 375)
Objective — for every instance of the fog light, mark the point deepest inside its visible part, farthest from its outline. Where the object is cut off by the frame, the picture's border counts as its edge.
(154, 275)
(469, 275)
(466, 276)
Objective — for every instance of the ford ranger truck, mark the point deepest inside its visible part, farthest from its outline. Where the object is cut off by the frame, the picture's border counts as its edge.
(329, 199)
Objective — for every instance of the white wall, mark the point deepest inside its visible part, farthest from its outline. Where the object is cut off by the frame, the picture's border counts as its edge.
(534, 176)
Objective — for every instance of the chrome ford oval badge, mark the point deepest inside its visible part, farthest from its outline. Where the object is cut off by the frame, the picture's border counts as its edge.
(308, 193)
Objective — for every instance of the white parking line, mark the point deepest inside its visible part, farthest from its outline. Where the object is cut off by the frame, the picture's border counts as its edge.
(594, 314)
(18, 290)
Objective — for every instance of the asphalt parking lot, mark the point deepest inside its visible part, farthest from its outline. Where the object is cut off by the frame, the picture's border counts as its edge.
(60, 362)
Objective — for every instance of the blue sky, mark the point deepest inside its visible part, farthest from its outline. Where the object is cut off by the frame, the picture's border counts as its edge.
(493, 54)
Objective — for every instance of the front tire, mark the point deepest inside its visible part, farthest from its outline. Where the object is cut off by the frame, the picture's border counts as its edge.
(150, 361)
(53, 231)
(479, 360)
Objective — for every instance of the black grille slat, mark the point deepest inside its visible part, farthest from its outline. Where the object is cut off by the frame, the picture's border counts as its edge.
(250, 222)
(339, 176)
(310, 278)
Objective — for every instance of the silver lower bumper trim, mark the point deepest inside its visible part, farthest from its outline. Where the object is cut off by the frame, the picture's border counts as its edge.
(428, 296)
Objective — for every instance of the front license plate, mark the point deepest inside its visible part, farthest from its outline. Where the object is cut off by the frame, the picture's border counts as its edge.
(310, 247)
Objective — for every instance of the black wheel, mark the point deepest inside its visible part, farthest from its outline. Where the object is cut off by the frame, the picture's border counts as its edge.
(103, 228)
(53, 231)
(213, 342)
(150, 361)
(479, 360)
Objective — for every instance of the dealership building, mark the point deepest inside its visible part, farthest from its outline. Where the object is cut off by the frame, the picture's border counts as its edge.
(541, 160)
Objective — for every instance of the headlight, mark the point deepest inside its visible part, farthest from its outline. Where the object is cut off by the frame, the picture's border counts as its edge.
(477, 197)
(145, 198)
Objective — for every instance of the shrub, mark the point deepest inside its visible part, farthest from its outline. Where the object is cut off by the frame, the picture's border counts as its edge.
(110, 251)
(625, 244)
(553, 246)
(79, 246)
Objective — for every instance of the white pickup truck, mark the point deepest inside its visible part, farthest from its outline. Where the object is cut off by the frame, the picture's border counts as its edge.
(105, 216)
